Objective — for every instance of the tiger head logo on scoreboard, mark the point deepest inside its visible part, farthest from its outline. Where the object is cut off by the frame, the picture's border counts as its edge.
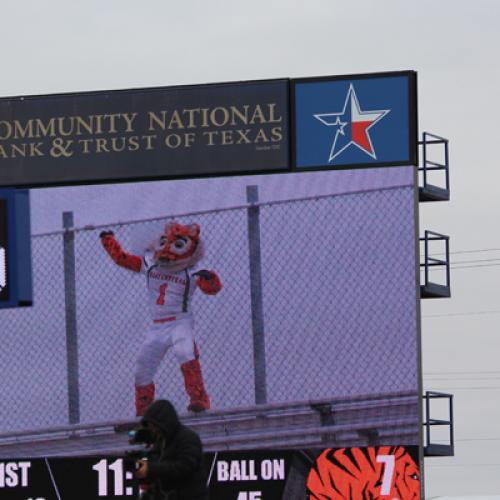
(386, 472)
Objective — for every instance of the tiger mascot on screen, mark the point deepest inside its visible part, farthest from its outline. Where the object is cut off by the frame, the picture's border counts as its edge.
(383, 473)
(168, 266)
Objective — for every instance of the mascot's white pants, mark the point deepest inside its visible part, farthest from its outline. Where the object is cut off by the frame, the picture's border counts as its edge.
(176, 334)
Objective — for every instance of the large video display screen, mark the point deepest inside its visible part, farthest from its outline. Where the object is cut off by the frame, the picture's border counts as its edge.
(218, 294)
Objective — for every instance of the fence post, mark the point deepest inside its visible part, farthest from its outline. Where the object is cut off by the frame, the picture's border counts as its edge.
(71, 329)
(259, 347)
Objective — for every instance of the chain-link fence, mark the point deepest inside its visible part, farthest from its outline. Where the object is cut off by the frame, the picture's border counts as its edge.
(319, 300)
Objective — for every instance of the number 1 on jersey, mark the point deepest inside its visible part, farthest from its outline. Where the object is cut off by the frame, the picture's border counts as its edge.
(160, 301)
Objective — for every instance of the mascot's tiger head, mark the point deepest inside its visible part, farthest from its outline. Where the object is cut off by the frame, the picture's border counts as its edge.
(178, 247)
(382, 473)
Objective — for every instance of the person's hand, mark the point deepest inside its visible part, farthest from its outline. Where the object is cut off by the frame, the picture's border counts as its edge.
(142, 471)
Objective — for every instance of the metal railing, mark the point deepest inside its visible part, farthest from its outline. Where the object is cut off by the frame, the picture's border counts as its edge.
(438, 448)
(430, 261)
(429, 168)
(373, 419)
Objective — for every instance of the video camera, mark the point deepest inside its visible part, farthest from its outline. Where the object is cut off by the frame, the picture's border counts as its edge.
(141, 435)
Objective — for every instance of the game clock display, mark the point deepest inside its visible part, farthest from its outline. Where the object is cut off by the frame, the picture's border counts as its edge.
(66, 478)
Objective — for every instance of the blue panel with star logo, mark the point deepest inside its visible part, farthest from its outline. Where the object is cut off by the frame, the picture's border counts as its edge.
(358, 121)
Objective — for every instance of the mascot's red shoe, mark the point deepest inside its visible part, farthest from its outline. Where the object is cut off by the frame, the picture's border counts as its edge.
(193, 381)
(144, 396)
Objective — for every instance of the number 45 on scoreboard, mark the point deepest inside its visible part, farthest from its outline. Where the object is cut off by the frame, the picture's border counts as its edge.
(15, 249)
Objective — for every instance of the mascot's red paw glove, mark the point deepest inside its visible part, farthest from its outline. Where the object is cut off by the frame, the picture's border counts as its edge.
(103, 234)
(107, 239)
(116, 252)
(208, 281)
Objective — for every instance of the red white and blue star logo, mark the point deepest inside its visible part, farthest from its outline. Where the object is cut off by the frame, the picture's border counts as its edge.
(352, 126)
(347, 122)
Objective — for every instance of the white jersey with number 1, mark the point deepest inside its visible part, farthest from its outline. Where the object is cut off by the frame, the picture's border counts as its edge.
(169, 292)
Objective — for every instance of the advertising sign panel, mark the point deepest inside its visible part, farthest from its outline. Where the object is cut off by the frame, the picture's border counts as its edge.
(138, 134)
(361, 120)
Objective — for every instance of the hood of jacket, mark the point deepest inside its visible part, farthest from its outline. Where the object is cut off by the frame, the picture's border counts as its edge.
(162, 414)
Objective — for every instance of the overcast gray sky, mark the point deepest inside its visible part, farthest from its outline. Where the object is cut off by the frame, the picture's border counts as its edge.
(65, 46)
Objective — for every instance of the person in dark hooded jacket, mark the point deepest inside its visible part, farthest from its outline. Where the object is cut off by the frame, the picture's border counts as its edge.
(176, 469)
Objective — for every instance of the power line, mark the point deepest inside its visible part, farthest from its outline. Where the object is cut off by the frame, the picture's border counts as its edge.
(477, 388)
(479, 250)
(462, 379)
(469, 261)
(474, 261)
(478, 439)
(469, 372)
(473, 267)
(466, 465)
(455, 266)
(459, 252)
(471, 313)
(466, 440)
(475, 251)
